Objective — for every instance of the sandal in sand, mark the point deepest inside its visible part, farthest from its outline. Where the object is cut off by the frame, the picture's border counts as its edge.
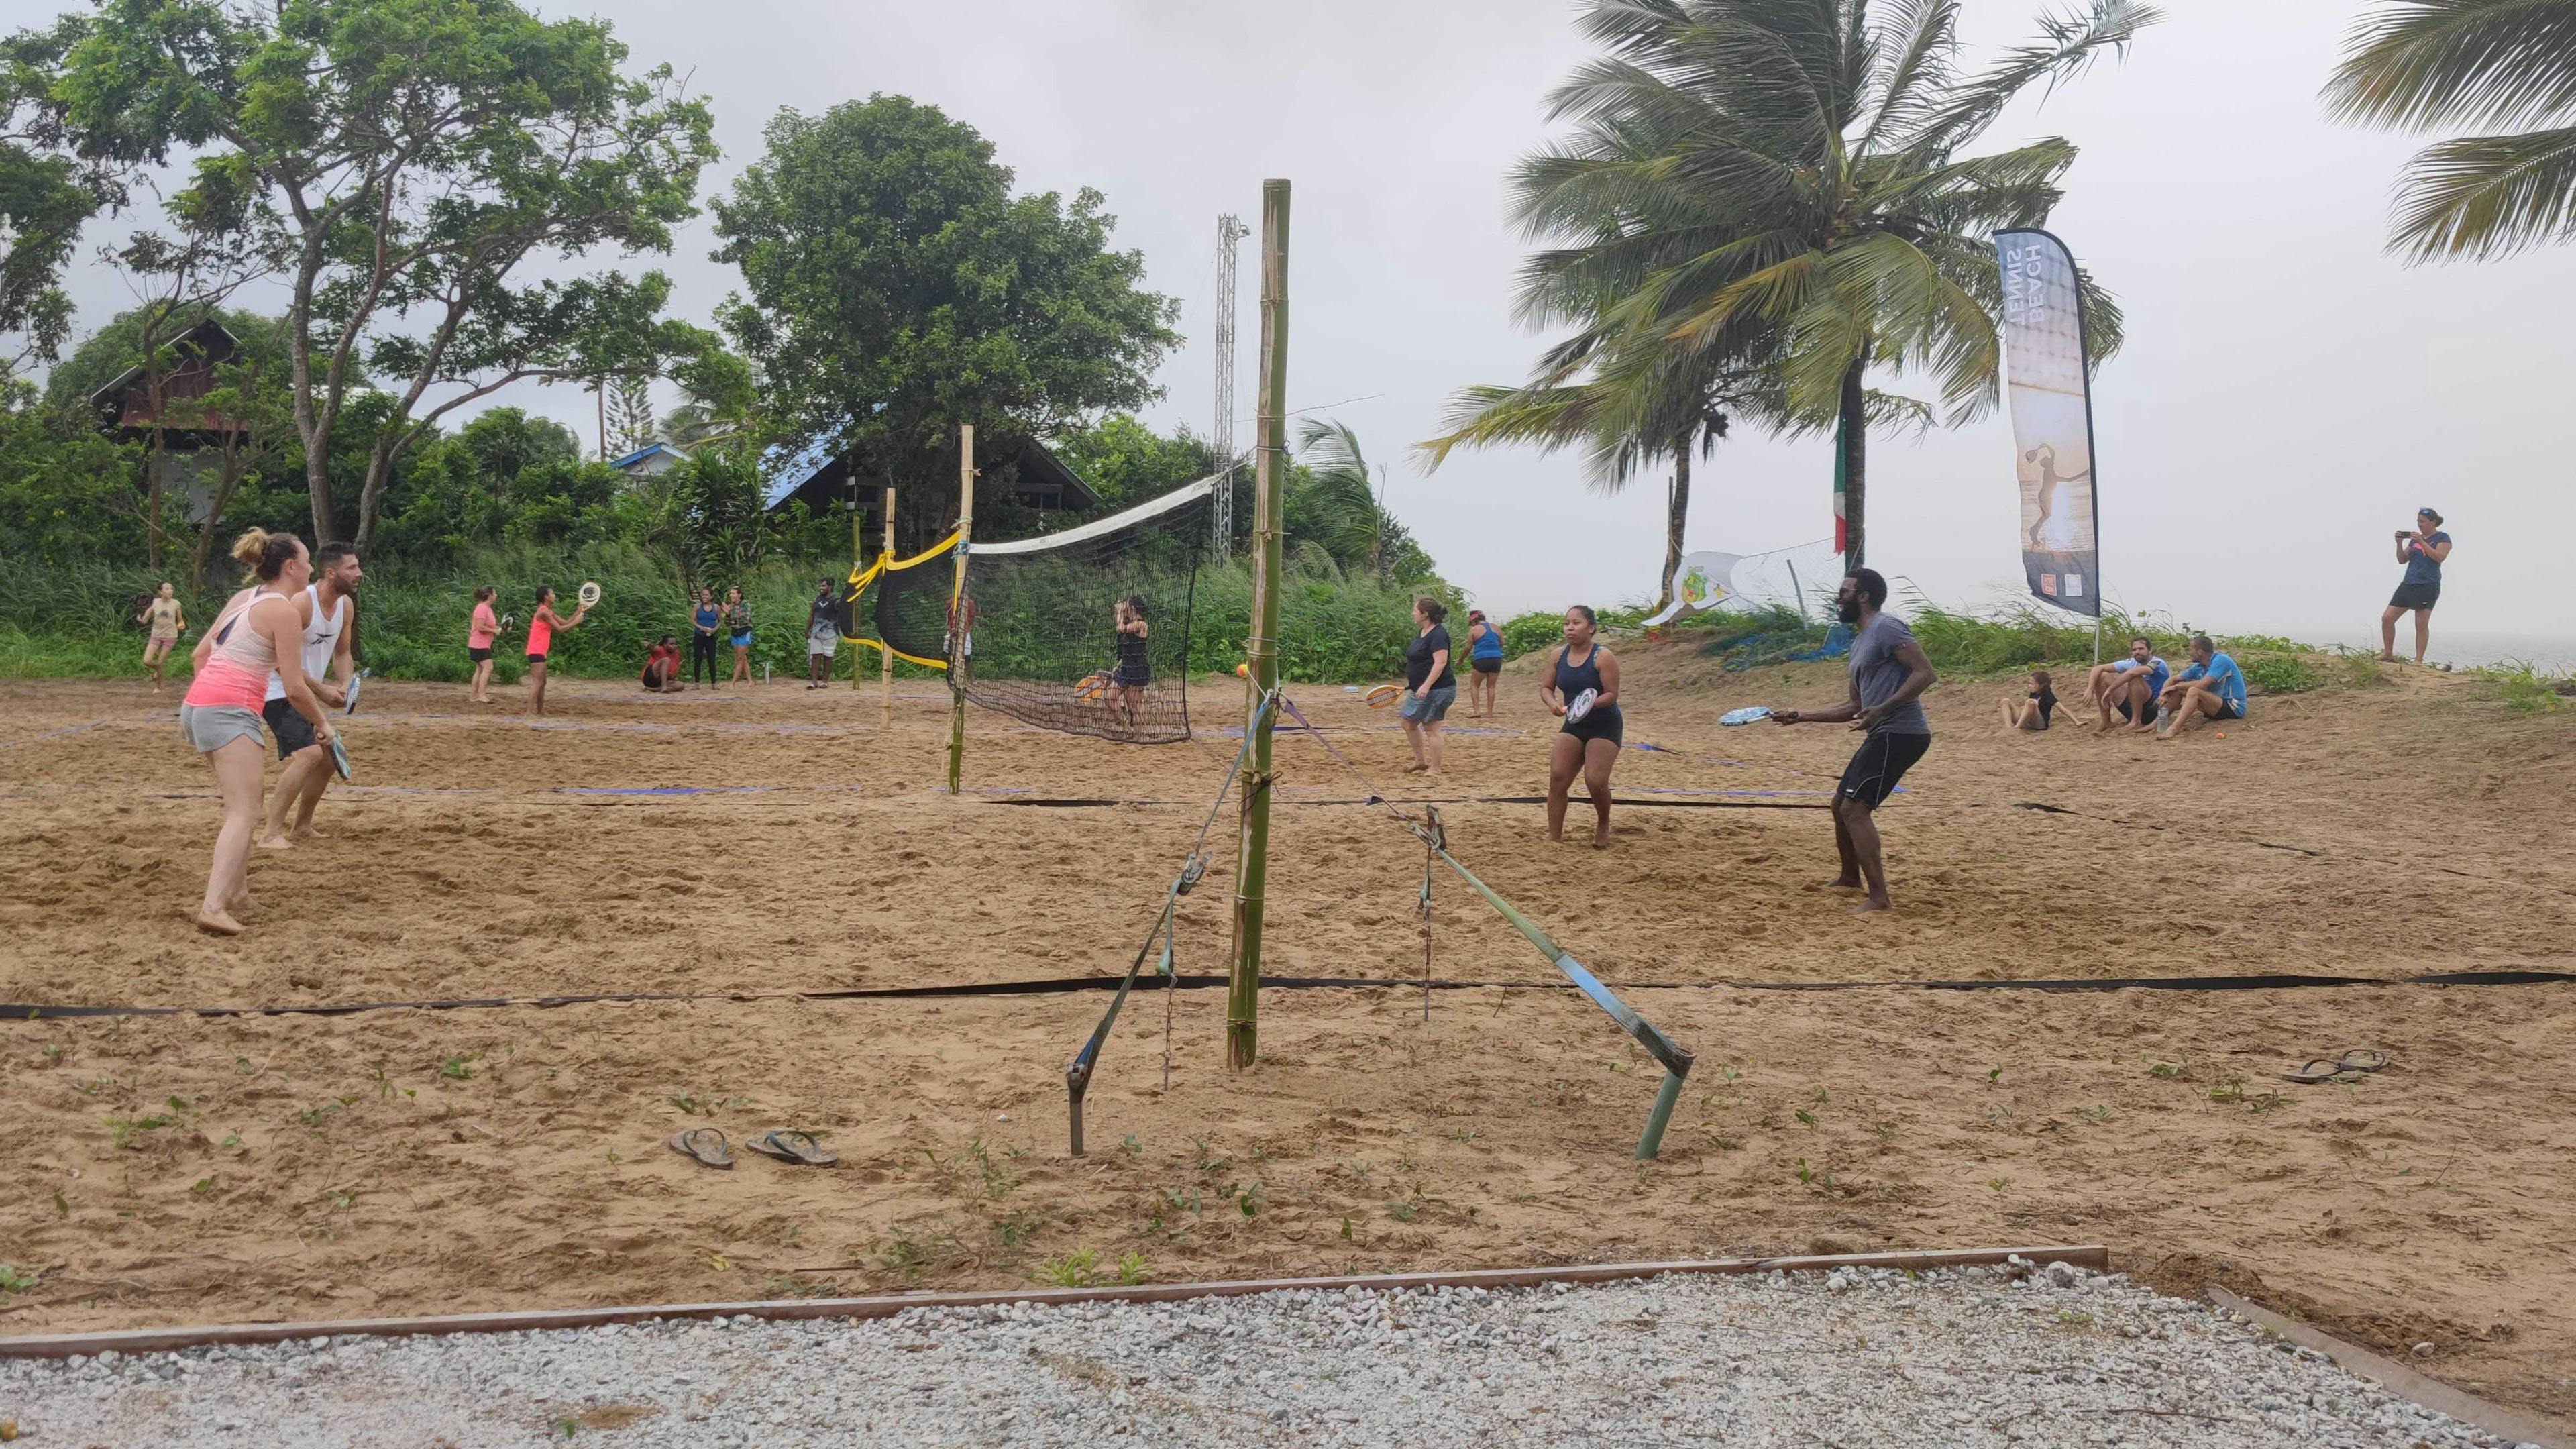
(2346, 1068)
(703, 1145)
(796, 1147)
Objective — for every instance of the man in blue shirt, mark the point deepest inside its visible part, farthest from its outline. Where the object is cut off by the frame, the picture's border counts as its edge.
(2129, 685)
(2422, 552)
(2211, 687)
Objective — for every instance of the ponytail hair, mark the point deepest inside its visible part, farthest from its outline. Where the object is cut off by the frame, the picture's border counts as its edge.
(266, 554)
(485, 594)
(1432, 609)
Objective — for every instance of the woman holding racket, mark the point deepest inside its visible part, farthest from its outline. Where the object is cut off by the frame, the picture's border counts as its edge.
(541, 641)
(480, 631)
(1430, 686)
(1584, 691)
(257, 633)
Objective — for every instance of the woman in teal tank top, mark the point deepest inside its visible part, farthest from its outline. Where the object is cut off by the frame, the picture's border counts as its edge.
(1485, 652)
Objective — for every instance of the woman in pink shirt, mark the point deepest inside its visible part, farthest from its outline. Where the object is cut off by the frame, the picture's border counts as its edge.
(542, 625)
(478, 643)
(258, 632)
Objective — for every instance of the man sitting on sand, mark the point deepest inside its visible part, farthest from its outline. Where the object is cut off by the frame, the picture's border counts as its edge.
(662, 667)
(2129, 685)
(2211, 687)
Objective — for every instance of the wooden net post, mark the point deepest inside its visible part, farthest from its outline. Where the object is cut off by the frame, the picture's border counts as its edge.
(961, 615)
(885, 651)
(1252, 859)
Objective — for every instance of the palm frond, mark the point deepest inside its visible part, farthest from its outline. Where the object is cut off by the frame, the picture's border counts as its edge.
(2419, 64)
(2487, 196)
(2067, 47)
(1916, 73)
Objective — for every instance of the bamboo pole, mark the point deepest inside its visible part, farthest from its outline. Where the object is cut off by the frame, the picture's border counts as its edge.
(961, 612)
(1252, 857)
(858, 561)
(885, 654)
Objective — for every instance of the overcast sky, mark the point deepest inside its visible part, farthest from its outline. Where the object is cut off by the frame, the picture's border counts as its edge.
(2288, 396)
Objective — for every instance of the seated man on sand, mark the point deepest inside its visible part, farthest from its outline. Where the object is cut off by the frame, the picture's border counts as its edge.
(2130, 685)
(2211, 687)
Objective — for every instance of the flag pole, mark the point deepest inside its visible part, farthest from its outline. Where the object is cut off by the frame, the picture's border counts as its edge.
(1252, 858)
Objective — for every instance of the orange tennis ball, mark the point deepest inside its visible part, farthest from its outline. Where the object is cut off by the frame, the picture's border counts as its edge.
(1243, 671)
(2222, 734)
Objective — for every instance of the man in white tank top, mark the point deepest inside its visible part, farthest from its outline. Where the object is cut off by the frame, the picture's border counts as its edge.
(328, 607)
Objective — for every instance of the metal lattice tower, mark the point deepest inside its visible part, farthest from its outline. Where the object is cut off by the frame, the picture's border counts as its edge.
(1229, 230)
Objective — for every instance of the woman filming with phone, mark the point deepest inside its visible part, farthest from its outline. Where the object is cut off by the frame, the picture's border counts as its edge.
(2423, 552)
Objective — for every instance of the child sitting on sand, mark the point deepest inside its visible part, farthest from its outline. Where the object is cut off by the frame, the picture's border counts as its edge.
(2031, 713)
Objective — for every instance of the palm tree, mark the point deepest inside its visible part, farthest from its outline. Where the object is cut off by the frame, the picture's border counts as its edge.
(2420, 64)
(1776, 187)
(1345, 501)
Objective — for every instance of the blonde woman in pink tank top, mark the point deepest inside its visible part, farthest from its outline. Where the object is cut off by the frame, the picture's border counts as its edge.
(257, 632)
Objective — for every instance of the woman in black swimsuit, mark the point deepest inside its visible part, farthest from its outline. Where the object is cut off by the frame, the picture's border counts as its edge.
(1589, 744)
(1128, 680)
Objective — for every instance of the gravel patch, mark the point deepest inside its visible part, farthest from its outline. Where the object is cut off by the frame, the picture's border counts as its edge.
(1979, 1356)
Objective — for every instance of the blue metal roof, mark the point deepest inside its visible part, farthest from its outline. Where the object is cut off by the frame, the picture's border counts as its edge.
(647, 451)
(788, 472)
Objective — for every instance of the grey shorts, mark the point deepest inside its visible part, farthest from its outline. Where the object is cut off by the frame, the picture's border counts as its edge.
(823, 641)
(1431, 708)
(210, 727)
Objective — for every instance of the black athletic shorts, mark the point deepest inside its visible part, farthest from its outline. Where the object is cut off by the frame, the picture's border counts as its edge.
(1600, 724)
(536, 659)
(294, 732)
(1486, 666)
(2154, 708)
(477, 655)
(1878, 764)
(2415, 596)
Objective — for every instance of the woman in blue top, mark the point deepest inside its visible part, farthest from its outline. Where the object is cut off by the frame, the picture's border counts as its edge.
(1485, 653)
(2211, 687)
(1590, 737)
(702, 642)
(2422, 552)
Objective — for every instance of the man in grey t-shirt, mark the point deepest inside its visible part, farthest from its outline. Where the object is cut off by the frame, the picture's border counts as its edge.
(1888, 677)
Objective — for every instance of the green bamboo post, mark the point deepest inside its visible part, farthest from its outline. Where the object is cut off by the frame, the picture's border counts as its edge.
(961, 613)
(1252, 858)
(885, 651)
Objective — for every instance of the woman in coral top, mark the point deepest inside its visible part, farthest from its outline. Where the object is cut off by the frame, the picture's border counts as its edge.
(542, 624)
(479, 634)
(258, 632)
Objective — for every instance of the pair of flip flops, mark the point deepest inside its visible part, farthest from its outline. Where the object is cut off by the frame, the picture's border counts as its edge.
(2346, 1068)
(707, 1146)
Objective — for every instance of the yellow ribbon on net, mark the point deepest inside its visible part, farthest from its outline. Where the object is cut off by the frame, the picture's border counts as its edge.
(860, 578)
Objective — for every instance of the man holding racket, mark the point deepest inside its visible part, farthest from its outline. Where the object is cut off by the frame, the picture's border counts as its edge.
(327, 608)
(1888, 676)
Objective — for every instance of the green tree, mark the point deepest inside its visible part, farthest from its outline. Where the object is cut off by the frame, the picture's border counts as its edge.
(1126, 462)
(1787, 191)
(403, 159)
(895, 288)
(2422, 65)
(45, 197)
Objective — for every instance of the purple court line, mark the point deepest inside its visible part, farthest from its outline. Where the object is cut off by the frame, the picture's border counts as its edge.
(54, 734)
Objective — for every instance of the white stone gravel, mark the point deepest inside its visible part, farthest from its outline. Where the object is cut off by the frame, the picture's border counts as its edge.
(1855, 1357)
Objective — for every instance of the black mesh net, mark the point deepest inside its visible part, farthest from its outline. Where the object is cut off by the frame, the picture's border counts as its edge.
(1043, 621)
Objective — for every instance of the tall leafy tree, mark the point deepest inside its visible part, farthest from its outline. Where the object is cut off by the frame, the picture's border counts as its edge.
(2424, 65)
(45, 197)
(895, 287)
(405, 159)
(1788, 186)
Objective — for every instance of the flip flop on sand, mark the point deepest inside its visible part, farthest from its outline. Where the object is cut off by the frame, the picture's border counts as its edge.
(796, 1147)
(2345, 1068)
(703, 1144)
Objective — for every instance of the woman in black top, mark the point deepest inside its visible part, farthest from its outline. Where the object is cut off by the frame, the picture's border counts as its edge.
(2032, 713)
(1429, 686)
(1127, 680)
(1589, 744)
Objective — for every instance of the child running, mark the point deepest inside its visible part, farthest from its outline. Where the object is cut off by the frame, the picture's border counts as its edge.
(541, 639)
(1589, 739)
(163, 617)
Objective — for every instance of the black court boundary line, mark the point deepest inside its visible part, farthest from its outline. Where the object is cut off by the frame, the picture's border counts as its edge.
(1622, 801)
(163, 1340)
(1068, 985)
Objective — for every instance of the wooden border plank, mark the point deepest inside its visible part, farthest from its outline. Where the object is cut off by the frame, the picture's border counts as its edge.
(162, 1340)
(2398, 1379)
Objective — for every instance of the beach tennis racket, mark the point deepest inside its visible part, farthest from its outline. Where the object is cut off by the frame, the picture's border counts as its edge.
(350, 705)
(588, 593)
(1744, 716)
(1091, 686)
(339, 757)
(1383, 695)
(1580, 706)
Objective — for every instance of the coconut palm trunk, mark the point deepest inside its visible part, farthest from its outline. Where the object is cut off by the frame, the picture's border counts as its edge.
(1676, 519)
